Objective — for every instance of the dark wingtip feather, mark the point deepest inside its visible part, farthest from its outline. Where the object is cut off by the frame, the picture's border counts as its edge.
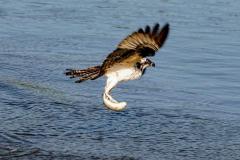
(163, 34)
(140, 30)
(155, 29)
(147, 29)
(166, 28)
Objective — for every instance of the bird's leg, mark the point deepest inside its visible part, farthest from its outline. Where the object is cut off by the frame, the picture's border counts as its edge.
(109, 86)
(108, 100)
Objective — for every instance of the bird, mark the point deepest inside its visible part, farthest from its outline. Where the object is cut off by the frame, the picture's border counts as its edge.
(128, 61)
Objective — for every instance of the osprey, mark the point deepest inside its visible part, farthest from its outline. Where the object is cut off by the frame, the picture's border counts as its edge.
(127, 62)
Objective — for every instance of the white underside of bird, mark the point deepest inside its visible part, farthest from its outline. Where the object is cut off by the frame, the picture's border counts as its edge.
(116, 75)
(113, 78)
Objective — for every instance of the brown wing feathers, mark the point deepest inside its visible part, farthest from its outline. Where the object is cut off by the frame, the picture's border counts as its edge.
(146, 38)
(142, 43)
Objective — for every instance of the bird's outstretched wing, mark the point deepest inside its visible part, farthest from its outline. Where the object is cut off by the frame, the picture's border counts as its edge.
(139, 44)
(150, 39)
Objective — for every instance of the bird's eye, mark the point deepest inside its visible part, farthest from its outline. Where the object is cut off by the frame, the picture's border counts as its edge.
(138, 65)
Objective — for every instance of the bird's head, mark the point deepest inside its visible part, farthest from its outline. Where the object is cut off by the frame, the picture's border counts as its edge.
(145, 62)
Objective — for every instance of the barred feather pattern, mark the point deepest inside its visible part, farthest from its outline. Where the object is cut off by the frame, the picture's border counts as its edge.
(84, 74)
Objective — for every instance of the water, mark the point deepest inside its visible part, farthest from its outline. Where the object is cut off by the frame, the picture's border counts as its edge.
(185, 108)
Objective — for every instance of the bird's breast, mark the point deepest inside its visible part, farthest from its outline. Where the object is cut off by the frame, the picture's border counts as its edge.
(125, 74)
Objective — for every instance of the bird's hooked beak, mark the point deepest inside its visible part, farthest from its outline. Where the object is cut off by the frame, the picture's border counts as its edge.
(153, 64)
(150, 63)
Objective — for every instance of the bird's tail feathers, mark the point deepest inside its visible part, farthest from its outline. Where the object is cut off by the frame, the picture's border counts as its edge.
(84, 74)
